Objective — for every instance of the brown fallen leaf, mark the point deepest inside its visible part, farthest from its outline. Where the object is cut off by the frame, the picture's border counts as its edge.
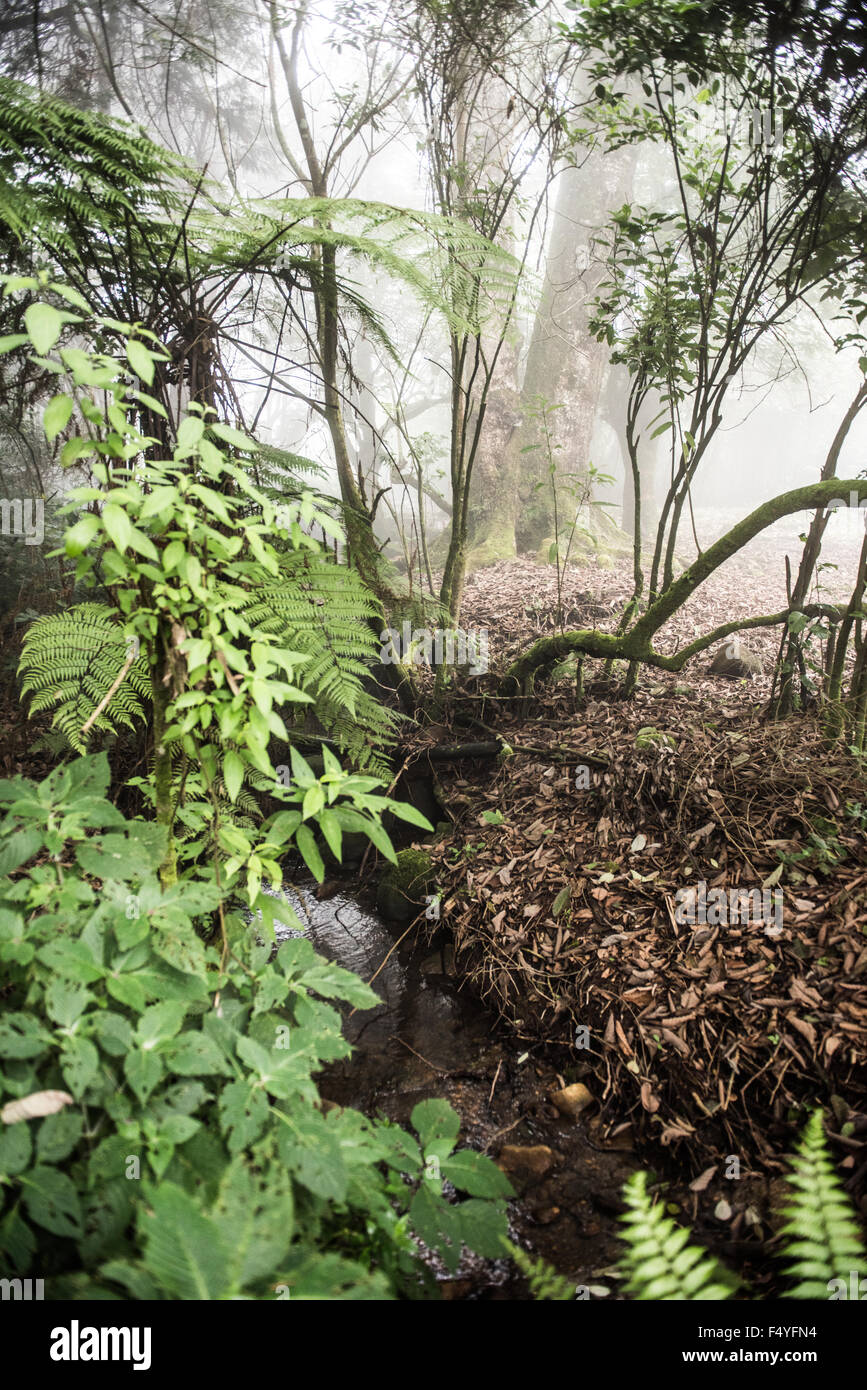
(701, 1182)
(34, 1106)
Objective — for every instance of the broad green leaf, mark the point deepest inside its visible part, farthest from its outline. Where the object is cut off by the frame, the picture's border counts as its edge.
(141, 360)
(233, 774)
(52, 1201)
(56, 416)
(435, 1119)
(183, 1248)
(477, 1174)
(44, 324)
(118, 525)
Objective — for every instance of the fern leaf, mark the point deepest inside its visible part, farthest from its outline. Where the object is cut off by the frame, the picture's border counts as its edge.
(822, 1237)
(660, 1264)
(68, 663)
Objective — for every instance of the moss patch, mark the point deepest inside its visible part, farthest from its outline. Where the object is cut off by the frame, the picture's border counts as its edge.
(401, 891)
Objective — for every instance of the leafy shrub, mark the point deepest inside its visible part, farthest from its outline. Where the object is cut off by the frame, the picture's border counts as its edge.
(162, 1132)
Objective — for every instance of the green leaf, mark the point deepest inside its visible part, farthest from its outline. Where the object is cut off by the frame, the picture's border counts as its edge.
(312, 1152)
(118, 525)
(17, 848)
(143, 1072)
(183, 1248)
(331, 831)
(243, 1112)
(22, 1036)
(15, 1149)
(79, 536)
(44, 324)
(191, 429)
(404, 811)
(484, 1228)
(80, 1064)
(310, 852)
(435, 1119)
(235, 437)
(56, 415)
(477, 1174)
(233, 774)
(52, 1201)
(10, 341)
(159, 1023)
(438, 1224)
(196, 1054)
(141, 360)
(58, 1135)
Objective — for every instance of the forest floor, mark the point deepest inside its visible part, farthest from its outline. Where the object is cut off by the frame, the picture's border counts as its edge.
(699, 1042)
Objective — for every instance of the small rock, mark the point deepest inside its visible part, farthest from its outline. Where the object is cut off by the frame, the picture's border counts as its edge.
(736, 662)
(572, 1100)
(526, 1164)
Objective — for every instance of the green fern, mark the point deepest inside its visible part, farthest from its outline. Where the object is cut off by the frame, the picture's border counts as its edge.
(281, 474)
(543, 1281)
(324, 610)
(69, 662)
(660, 1263)
(823, 1242)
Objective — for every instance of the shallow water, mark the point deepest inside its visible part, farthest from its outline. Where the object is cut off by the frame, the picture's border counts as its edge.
(430, 1038)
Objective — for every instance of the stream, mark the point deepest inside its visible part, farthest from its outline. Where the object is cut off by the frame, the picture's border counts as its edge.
(430, 1038)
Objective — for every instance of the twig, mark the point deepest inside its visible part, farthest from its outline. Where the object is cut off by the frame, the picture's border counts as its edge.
(443, 1071)
(107, 697)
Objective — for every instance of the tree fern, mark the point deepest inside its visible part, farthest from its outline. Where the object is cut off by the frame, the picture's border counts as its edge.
(69, 662)
(280, 473)
(660, 1262)
(823, 1242)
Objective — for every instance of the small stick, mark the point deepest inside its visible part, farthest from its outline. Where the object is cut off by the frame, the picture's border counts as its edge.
(106, 698)
(443, 1071)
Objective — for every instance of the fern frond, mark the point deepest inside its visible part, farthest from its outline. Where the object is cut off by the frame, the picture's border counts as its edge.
(822, 1237)
(543, 1281)
(324, 610)
(660, 1264)
(68, 663)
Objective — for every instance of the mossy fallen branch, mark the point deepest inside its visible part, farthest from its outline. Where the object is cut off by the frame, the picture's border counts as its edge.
(636, 644)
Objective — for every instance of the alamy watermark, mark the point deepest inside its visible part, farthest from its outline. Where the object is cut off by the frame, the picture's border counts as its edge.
(435, 646)
(755, 128)
(855, 1290)
(22, 1290)
(848, 513)
(728, 907)
(23, 517)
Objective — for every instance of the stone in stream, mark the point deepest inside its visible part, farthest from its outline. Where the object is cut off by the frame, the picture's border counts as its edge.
(572, 1100)
(526, 1164)
(736, 662)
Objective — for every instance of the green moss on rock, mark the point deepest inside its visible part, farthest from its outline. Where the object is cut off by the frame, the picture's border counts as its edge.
(401, 891)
